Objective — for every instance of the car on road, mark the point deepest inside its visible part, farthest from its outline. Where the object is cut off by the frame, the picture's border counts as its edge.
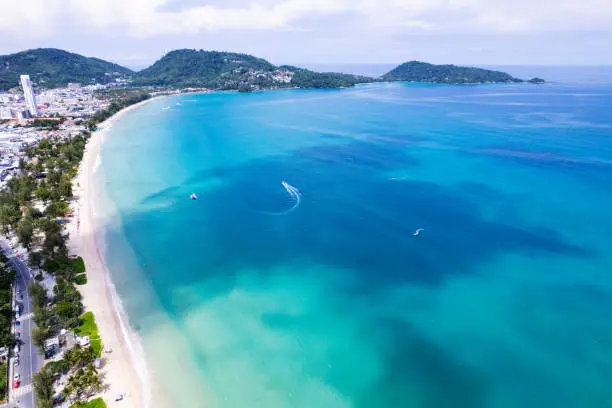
(16, 381)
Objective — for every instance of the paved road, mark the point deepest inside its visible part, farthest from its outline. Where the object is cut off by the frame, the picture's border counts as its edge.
(30, 361)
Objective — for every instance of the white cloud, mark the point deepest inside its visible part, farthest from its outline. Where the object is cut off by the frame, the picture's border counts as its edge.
(147, 18)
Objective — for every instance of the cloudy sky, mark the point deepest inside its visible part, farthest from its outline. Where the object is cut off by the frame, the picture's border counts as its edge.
(137, 32)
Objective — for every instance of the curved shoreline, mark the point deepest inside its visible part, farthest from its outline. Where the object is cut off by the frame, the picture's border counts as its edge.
(126, 362)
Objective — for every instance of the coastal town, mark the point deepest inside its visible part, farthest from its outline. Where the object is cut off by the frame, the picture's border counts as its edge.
(51, 351)
(27, 118)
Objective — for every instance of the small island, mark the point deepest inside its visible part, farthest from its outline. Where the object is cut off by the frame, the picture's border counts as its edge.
(536, 80)
(417, 71)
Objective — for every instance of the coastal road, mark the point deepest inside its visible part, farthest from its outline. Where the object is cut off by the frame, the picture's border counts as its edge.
(30, 361)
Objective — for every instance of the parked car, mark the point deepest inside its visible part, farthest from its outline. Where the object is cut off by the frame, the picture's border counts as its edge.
(16, 383)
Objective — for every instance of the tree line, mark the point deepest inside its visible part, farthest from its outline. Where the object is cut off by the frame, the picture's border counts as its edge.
(34, 206)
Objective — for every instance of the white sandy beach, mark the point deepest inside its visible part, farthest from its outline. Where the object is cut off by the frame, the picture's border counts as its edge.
(124, 370)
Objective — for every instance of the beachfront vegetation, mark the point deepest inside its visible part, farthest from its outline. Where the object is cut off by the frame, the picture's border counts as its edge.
(80, 279)
(119, 103)
(94, 403)
(43, 388)
(35, 207)
(50, 317)
(89, 328)
(79, 357)
(86, 380)
(416, 71)
(79, 264)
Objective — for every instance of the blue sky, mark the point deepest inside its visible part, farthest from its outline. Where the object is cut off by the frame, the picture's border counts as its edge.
(497, 32)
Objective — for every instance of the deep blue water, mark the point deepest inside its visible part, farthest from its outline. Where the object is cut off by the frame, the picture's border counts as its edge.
(503, 300)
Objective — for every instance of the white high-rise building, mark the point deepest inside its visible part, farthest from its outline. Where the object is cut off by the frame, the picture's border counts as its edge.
(28, 94)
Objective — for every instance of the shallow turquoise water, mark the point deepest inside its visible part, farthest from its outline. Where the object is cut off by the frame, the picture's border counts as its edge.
(502, 301)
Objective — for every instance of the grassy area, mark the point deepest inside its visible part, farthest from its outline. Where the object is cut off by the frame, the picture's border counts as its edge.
(79, 265)
(3, 384)
(80, 279)
(89, 328)
(94, 403)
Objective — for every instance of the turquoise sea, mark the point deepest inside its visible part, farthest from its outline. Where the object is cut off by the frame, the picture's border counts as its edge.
(243, 299)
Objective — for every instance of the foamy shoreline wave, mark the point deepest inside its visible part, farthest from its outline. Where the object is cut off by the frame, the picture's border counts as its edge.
(91, 222)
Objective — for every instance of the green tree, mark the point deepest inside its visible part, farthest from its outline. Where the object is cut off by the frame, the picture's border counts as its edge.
(25, 231)
(7, 339)
(42, 191)
(56, 209)
(9, 215)
(39, 335)
(35, 259)
(38, 168)
(65, 188)
(44, 144)
(54, 244)
(91, 379)
(41, 316)
(43, 389)
(68, 313)
(37, 294)
(86, 379)
(80, 356)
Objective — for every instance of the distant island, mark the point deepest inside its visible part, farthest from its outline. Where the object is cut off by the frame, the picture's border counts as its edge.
(416, 71)
(536, 80)
(219, 70)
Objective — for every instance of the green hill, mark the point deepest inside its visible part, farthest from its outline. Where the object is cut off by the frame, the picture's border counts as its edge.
(50, 68)
(228, 70)
(304, 78)
(416, 71)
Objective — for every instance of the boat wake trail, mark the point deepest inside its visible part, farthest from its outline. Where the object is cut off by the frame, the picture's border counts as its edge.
(294, 193)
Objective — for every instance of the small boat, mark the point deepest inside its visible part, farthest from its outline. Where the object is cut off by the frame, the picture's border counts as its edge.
(193, 196)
